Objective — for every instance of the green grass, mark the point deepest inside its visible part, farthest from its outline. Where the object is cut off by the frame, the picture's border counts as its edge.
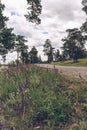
(32, 97)
(81, 62)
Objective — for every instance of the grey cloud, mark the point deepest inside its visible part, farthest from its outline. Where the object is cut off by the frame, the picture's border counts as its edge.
(64, 10)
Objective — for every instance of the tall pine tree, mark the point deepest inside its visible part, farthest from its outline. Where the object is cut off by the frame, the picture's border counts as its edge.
(6, 36)
(84, 25)
(34, 10)
(48, 50)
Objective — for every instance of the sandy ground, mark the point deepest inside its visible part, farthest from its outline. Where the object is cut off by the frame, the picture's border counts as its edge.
(77, 72)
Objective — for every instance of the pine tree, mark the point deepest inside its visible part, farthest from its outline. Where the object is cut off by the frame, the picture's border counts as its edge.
(7, 38)
(33, 55)
(34, 10)
(48, 50)
(73, 46)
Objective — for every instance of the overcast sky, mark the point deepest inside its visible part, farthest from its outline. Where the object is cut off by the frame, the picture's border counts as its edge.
(56, 17)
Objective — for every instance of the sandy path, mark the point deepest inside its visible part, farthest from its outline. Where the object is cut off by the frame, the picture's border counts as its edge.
(78, 72)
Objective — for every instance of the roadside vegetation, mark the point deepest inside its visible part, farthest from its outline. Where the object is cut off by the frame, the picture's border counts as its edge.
(35, 98)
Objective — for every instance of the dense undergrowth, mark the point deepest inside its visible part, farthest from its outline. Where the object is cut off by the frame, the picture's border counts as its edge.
(34, 98)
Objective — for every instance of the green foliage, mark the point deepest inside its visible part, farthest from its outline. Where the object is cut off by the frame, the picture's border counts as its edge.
(48, 50)
(33, 55)
(84, 126)
(84, 3)
(32, 97)
(84, 25)
(21, 49)
(3, 19)
(73, 46)
(40, 94)
(76, 128)
(84, 28)
(57, 55)
(7, 38)
(34, 11)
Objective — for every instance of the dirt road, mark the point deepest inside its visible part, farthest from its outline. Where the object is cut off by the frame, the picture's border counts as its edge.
(78, 72)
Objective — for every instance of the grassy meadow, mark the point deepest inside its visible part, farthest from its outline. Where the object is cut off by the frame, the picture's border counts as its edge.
(80, 62)
(32, 98)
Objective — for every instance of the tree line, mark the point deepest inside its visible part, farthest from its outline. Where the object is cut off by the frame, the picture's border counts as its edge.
(10, 42)
(73, 44)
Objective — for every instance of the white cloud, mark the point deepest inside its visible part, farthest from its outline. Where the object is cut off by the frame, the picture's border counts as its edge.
(57, 16)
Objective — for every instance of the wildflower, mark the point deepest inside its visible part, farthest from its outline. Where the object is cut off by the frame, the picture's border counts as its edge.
(1, 126)
(21, 86)
(55, 71)
(26, 84)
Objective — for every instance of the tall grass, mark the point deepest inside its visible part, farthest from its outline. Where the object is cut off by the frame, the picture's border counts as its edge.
(31, 97)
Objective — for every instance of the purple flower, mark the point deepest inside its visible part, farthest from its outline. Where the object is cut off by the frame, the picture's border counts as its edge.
(17, 107)
(26, 84)
(1, 126)
(21, 86)
(55, 71)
